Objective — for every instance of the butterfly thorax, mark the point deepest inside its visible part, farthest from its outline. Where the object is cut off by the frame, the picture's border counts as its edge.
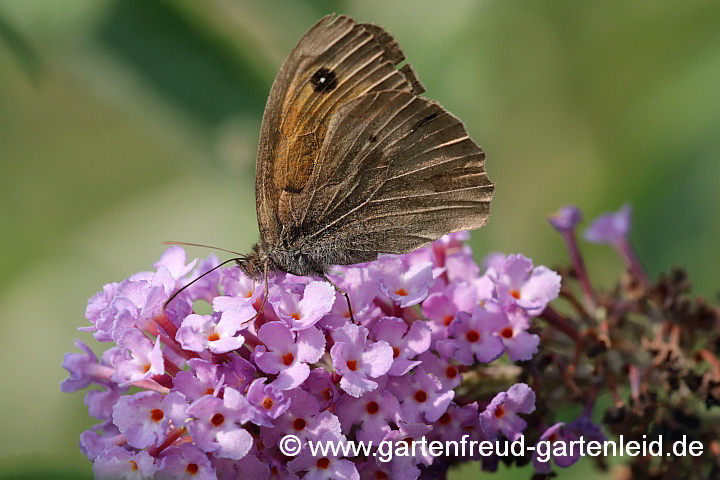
(283, 259)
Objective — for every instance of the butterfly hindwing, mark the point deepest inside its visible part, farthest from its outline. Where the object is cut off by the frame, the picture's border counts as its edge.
(396, 171)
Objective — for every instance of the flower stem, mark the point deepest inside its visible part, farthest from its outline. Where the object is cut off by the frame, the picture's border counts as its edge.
(560, 322)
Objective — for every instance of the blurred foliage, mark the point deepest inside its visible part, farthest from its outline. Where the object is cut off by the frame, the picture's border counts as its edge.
(124, 123)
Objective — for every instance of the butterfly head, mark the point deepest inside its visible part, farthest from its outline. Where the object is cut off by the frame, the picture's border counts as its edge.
(254, 264)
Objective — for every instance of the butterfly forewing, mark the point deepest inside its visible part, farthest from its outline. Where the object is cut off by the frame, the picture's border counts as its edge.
(353, 162)
(335, 62)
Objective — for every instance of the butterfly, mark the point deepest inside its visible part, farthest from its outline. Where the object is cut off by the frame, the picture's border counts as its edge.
(353, 161)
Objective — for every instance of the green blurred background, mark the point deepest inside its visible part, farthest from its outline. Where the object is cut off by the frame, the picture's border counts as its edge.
(126, 123)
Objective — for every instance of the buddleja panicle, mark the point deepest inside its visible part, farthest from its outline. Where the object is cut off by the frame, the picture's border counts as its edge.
(440, 348)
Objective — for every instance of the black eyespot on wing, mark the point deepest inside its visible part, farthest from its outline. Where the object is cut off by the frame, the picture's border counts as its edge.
(424, 121)
(290, 189)
(324, 80)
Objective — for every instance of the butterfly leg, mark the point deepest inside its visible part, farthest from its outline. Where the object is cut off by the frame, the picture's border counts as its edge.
(343, 293)
(266, 293)
(266, 271)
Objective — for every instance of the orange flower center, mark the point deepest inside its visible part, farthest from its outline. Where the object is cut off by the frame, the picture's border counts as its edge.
(213, 337)
(445, 419)
(472, 336)
(156, 414)
(133, 465)
(401, 291)
(451, 372)
(267, 403)
(447, 320)
(396, 352)
(506, 332)
(372, 408)
(192, 468)
(288, 359)
(352, 365)
(217, 419)
(515, 294)
(420, 396)
(299, 424)
(323, 463)
(499, 411)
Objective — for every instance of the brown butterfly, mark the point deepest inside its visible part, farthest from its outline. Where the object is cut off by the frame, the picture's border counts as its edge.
(353, 162)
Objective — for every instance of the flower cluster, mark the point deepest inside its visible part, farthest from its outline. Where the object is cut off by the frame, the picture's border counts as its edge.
(204, 396)
(435, 347)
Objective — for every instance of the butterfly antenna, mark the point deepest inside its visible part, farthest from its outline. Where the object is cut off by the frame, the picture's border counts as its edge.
(172, 297)
(186, 244)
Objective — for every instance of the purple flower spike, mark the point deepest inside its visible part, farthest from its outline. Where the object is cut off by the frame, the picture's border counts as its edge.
(217, 392)
(117, 463)
(269, 402)
(406, 344)
(473, 337)
(502, 413)
(144, 417)
(287, 353)
(217, 426)
(612, 228)
(566, 218)
(404, 287)
(301, 313)
(185, 462)
(356, 358)
(550, 438)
